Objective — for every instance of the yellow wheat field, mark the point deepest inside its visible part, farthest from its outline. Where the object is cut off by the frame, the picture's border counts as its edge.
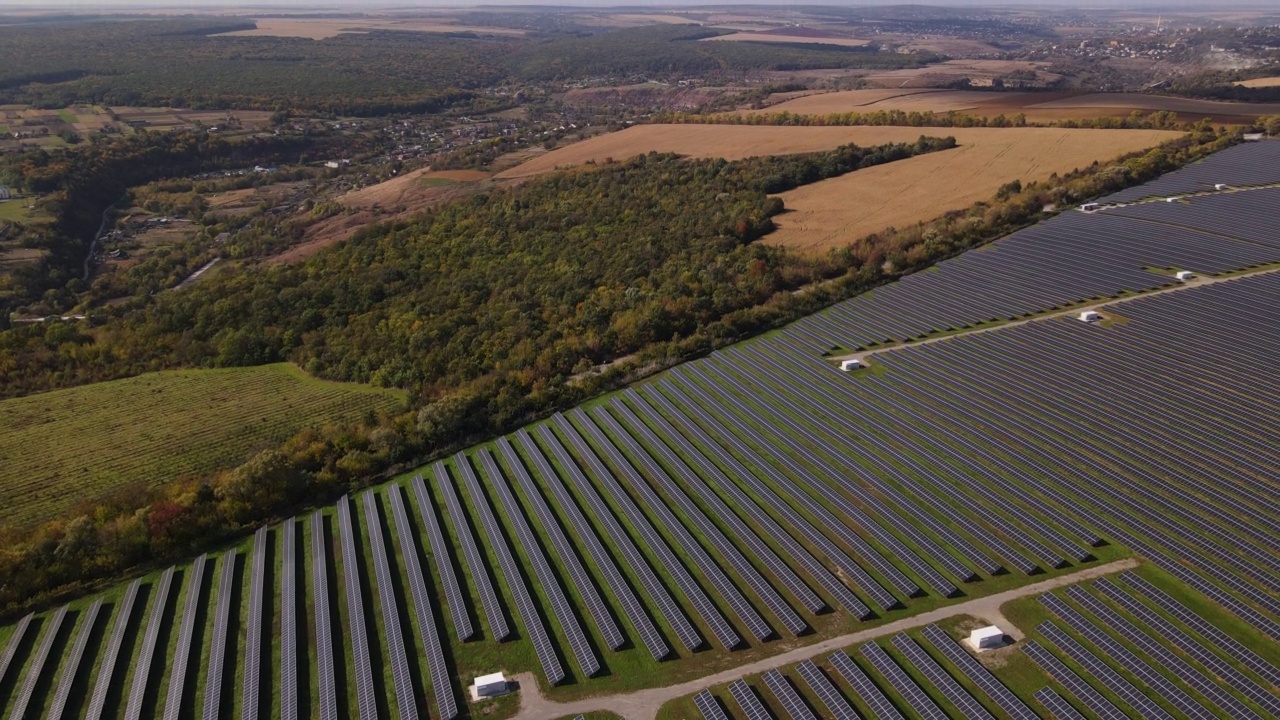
(838, 211)
(1265, 82)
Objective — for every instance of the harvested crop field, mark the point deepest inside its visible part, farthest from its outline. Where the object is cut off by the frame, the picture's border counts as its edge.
(68, 446)
(836, 212)
(1037, 106)
(410, 190)
(1265, 82)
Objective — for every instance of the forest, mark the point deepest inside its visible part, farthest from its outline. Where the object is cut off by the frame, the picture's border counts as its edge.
(665, 276)
(183, 63)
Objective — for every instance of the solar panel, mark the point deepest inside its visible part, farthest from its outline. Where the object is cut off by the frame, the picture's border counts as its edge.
(475, 559)
(250, 687)
(1162, 656)
(787, 696)
(977, 674)
(437, 667)
(28, 688)
(389, 611)
(175, 699)
(1119, 654)
(635, 612)
(1184, 642)
(325, 664)
(752, 708)
(11, 648)
(881, 707)
(900, 681)
(837, 707)
(939, 678)
(289, 621)
(674, 568)
(1057, 707)
(709, 706)
(142, 668)
(564, 549)
(444, 563)
(600, 511)
(707, 529)
(111, 658)
(528, 611)
(71, 667)
(357, 629)
(1109, 678)
(214, 676)
(1054, 668)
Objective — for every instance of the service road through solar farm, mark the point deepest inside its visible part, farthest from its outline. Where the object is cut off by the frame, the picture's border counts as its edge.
(758, 533)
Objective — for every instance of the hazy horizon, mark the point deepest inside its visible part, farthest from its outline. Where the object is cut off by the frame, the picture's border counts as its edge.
(368, 5)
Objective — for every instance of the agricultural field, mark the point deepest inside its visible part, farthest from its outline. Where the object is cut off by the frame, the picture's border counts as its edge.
(758, 506)
(1037, 106)
(73, 445)
(836, 212)
(780, 37)
(979, 73)
(1265, 82)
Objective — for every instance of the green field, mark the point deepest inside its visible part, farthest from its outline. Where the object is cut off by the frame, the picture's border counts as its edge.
(71, 445)
(68, 116)
(15, 210)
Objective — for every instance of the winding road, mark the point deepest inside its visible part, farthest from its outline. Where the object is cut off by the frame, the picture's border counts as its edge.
(644, 704)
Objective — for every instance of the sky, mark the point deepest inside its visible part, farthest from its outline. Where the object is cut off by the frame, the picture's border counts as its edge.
(358, 5)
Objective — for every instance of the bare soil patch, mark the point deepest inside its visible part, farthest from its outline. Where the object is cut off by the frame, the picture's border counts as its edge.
(837, 212)
(1265, 82)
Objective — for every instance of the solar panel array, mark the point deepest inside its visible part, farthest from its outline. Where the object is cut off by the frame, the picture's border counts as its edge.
(357, 628)
(526, 608)
(787, 696)
(906, 688)
(709, 706)
(564, 550)
(102, 684)
(11, 648)
(251, 682)
(475, 559)
(1109, 678)
(389, 611)
(1098, 705)
(289, 598)
(27, 691)
(1240, 166)
(177, 674)
(325, 652)
(437, 666)
(142, 666)
(444, 563)
(71, 666)
(631, 606)
(215, 673)
(834, 703)
(1060, 709)
(866, 690)
(939, 678)
(748, 702)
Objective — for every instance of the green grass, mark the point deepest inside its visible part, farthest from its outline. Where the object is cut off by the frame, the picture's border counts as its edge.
(433, 182)
(16, 210)
(72, 445)
(68, 117)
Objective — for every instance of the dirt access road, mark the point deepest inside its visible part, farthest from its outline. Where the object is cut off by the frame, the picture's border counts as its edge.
(644, 705)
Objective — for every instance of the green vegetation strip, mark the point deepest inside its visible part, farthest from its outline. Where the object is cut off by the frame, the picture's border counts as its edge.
(71, 445)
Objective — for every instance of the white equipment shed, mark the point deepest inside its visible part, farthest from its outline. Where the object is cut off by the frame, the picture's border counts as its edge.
(1185, 275)
(491, 685)
(850, 365)
(1090, 316)
(985, 638)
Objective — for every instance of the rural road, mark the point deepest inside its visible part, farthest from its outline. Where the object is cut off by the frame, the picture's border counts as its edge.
(1198, 281)
(644, 704)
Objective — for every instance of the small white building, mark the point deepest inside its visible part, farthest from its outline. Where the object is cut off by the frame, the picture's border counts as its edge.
(851, 365)
(985, 638)
(1220, 186)
(491, 685)
(1089, 207)
(1184, 275)
(1090, 316)
(1254, 137)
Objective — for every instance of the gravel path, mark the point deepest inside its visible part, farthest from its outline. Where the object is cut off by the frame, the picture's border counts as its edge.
(644, 704)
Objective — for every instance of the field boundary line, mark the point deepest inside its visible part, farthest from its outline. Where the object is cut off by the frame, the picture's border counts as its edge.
(644, 704)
